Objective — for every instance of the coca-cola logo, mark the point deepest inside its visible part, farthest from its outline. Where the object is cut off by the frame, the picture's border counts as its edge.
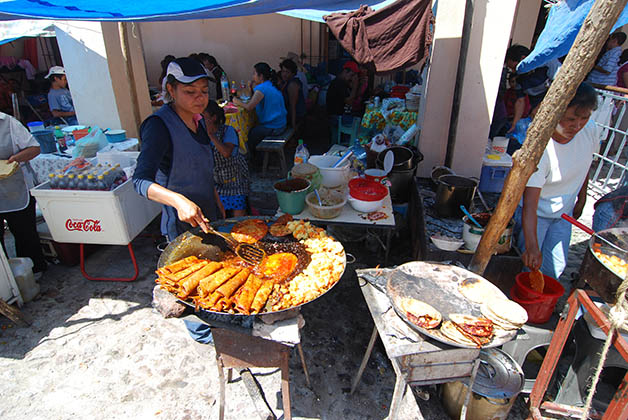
(87, 225)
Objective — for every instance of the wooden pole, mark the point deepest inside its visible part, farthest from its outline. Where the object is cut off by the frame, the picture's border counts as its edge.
(578, 63)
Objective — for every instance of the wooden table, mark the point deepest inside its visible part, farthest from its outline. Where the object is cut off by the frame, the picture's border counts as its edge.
(417, 360)
(350, 217)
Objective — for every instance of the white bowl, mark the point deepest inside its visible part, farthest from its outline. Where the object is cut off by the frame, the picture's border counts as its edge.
(365, 206)
(332, 177)
(449, 244)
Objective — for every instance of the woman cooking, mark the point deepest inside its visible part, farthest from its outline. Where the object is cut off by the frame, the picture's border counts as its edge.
(176, 164)
(268, 103)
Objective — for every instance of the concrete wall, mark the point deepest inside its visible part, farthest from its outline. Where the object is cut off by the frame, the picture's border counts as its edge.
(84, 57)
(492, 19)
(525, 22)
(237, 43)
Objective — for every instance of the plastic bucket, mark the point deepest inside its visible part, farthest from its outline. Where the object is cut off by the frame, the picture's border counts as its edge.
(115, 136)
(46, 140)
(35, 126)
(539, 310)
(291, 194)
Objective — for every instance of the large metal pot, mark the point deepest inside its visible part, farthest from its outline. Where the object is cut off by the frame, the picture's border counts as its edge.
(403, 170)
(497, 384)
(404, 158)
(452, 192)
(597, 274)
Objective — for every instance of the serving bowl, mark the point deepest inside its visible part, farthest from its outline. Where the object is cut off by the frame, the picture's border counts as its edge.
(445, 243)
(332, 177)
(333, 203)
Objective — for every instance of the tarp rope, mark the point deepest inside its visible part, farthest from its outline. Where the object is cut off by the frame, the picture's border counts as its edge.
(617, 316)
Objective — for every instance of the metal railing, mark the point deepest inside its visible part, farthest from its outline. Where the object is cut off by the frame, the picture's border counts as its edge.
(609, 167)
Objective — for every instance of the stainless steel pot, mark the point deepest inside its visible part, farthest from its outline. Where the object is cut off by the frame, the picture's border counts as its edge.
(403, 170)
(497, 384)
(597, 274)
(452, 192)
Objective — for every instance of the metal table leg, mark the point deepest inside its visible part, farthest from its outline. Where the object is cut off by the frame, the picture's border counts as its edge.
(365, 359)
(400, 389)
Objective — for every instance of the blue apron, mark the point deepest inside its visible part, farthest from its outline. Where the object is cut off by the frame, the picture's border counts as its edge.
(191, 173)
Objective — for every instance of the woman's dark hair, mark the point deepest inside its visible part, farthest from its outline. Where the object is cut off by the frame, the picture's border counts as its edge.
(290, 65)
(164, 66)
(586, 97)
(209, 58)
(264, 70)
(619, 36)
(517, 52)
(214, 109)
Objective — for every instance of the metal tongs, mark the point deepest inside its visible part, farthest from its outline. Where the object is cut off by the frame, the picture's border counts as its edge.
(591, 232)
(249, 253)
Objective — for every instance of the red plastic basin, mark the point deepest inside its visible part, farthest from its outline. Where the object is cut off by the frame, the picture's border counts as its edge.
(553, 289)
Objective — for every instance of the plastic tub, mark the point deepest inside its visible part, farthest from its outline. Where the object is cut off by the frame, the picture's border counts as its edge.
(553, 289)
(46, 140)
(115, 136)
(34, 126)
(22, 269)
(336, 200)
(539, 310)
(332, 177)
(291, 194)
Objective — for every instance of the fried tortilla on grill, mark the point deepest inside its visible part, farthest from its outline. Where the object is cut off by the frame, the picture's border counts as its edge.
(420, 313)
(247, 293)
(230, 287)
(280, 227)
(477, 326)
(190, 283)
(177, 266)
(277, 267)
(261, 297)
(249, 231)
(208, 285)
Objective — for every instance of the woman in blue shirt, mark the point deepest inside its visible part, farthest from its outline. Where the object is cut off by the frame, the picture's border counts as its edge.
(268, 103)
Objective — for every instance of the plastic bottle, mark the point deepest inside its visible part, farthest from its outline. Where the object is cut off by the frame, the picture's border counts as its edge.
(62, 182)
(71, 182)
(302, 154)
(81, 182)
(100, 183)
(90, 184)
(234, 88)
(52, 181)
(119, 176)
(224, 87)
(408, 135)
(358, 151)
(60, 138)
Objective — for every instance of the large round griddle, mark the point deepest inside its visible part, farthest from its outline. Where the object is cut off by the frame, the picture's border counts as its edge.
(437, 284)
(208, 246)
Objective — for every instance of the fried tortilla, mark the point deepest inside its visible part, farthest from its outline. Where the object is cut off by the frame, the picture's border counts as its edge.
(420, 313)
(249, 231)
(479, 327)
(479, 290)
(189, 284)
(277, 267)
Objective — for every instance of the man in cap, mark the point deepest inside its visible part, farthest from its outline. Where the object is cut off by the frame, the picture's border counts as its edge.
(59, 97)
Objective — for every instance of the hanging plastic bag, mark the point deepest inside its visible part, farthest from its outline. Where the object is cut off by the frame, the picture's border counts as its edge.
(89, 145)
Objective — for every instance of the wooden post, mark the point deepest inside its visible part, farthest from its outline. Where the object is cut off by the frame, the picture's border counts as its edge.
(579, 62)
(14, 314)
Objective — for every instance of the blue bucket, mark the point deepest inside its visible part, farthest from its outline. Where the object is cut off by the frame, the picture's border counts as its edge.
(46, 139)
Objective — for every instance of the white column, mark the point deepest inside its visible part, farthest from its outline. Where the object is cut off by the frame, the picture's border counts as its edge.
(525, 22)
(441, 81)
(492, 23)
(85, 60)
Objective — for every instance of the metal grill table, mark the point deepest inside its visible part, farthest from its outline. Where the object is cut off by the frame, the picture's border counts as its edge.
(416, 360)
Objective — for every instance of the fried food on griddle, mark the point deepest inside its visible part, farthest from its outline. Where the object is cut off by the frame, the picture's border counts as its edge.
(277, 267)
(420, 313)
(537, 281)
(190, 283)
(247, 293)
(229, 288)
(177, 266)
(180, 275)
(477, 326)
(280, 227)
(261, 297)
(249, 231)
(208, 285)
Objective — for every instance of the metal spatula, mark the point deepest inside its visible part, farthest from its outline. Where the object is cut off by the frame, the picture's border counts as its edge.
(249, 253)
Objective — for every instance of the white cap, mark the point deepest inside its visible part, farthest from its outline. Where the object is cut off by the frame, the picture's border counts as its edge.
(186, 70)
(55, 70)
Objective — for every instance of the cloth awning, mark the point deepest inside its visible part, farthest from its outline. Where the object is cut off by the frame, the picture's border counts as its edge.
(12, 30)
(391, 38)
(563, 24)
(168, 10)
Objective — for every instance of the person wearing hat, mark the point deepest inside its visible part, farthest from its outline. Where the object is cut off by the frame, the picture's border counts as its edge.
(59, 97)
(176, 164)
(301, 72)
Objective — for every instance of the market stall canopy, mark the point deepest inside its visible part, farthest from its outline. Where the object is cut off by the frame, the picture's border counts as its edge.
(563, 24)
(13, 30)
(391, 38)
(168, 10)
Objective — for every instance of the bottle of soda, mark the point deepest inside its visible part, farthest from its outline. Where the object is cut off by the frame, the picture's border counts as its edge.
(71, 182)
(91, 182)
(80, 182)
(52, 181)
(100, 183)
(224, 87)
(234, 88)
(62, 182)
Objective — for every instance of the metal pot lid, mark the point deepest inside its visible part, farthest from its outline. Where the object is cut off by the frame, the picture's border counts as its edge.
(499, 376)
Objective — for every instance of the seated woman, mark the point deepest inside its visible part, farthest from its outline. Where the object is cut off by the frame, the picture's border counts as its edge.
(231, 171)
(292, 91)
(268, 103)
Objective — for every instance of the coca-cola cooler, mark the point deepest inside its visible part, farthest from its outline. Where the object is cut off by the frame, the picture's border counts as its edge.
(95, 217)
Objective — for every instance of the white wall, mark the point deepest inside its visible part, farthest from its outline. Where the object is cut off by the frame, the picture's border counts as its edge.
(83, 53)
(237, 43)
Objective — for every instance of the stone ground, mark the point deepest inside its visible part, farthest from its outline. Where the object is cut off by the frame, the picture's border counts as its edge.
(97, 350)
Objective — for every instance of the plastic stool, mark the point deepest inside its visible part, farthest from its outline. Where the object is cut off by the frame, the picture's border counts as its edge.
(351, 130)
(530, 339)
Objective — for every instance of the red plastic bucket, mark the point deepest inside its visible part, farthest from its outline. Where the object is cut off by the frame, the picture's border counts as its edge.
(539, 306)
(553, 289)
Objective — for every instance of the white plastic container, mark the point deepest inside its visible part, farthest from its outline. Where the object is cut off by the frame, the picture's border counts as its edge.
(500, 144)
(115, 157)
(332, 177)
(95, 217)
(22, 269)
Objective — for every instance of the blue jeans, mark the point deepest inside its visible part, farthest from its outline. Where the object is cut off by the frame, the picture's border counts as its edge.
(202, 333)
(553, 236)
(605, 216)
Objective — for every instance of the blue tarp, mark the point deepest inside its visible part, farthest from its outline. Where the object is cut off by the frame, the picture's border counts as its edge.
(563, 24)
(168, 10)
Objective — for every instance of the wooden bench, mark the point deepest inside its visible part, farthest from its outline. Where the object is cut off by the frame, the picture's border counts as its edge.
(275, 144)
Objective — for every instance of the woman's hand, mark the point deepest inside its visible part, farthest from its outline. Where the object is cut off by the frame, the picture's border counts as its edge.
(532, 258)
(189, 212)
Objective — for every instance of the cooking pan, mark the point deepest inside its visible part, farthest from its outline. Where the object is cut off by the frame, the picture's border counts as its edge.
(597, 274)
(203, 245)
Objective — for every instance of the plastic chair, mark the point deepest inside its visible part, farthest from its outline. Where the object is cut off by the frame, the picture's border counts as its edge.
(351, 129)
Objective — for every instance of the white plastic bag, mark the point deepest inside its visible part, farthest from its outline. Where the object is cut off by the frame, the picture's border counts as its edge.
(89, 145)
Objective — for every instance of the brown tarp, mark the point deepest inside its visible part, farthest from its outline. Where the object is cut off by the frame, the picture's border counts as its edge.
(394, 37)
